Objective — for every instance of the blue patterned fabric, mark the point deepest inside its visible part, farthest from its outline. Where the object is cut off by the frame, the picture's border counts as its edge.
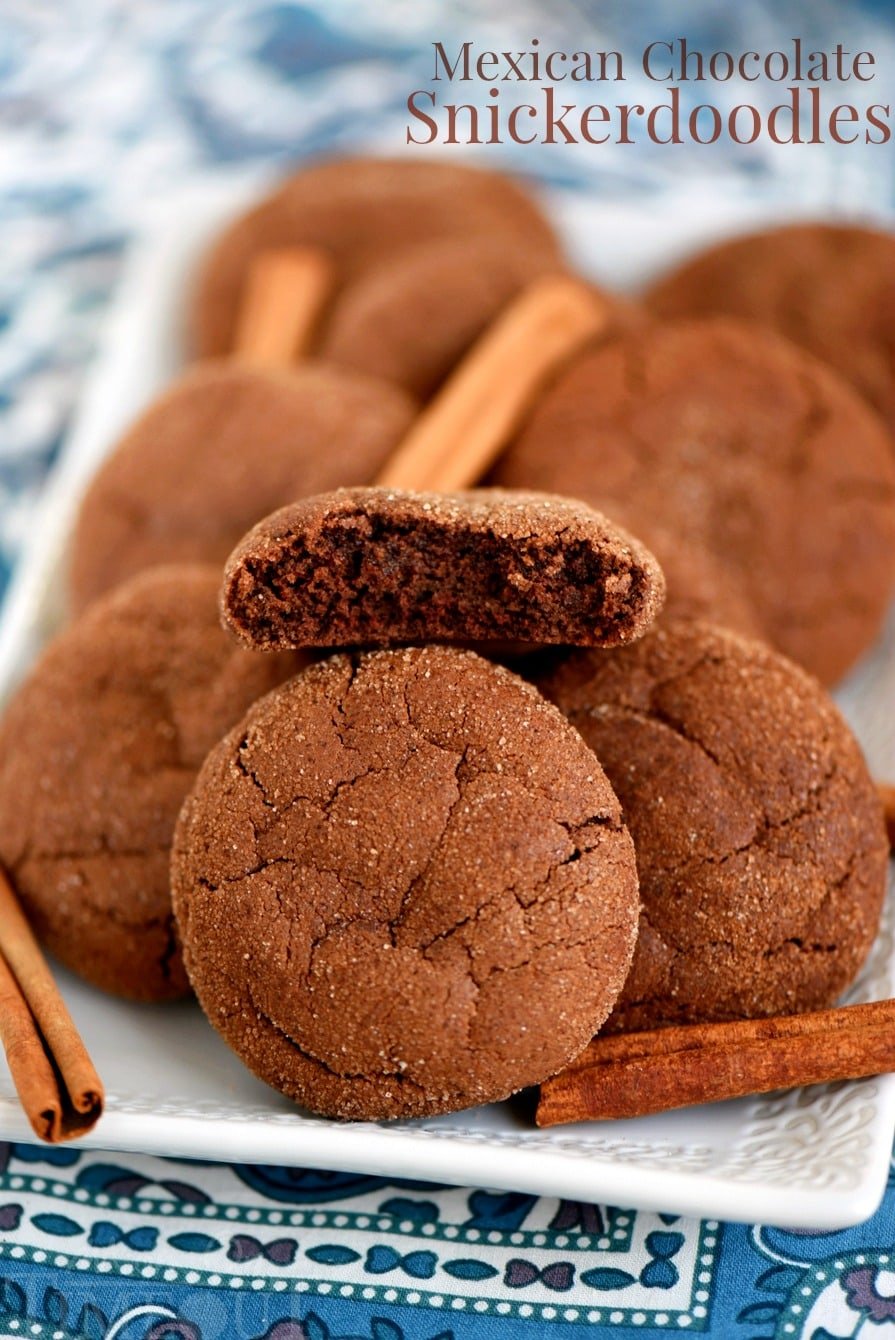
(95, 1245)
(104, 108)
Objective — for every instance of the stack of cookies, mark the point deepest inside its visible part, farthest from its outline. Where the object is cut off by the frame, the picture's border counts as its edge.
(418, 791)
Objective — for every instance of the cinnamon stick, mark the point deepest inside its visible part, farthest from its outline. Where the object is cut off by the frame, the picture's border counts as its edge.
(633, 1074)
(464, 428)
(59, 1089)
(886, 793)
(284, 298)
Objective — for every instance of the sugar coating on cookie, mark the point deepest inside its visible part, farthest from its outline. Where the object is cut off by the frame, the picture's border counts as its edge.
(221, 448)
(828, 287)
(403, 886)
(362, 211)
(100, 745)
(378, 566)
(748, 448)
(760, 841)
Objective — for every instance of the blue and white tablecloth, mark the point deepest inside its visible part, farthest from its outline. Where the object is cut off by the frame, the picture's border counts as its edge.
(104, 108)
(140, 1248)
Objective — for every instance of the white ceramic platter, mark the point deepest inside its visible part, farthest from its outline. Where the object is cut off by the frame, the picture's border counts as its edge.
(813, 1158)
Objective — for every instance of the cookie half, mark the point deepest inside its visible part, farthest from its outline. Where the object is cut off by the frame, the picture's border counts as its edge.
(403, 886)
(377, 566)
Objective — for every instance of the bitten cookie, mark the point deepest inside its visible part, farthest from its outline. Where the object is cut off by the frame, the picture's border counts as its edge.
(829, 287)
(98, 748)
(749, 449)
(760, 840)
(219, 450)
(363, 212)
(403, 886)
(376, 566)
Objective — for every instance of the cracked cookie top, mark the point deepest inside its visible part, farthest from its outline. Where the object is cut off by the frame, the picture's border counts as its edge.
(220, 449)
(749, 449)
(759, 834)
(403, 886)
(98, 748)
(374, 566)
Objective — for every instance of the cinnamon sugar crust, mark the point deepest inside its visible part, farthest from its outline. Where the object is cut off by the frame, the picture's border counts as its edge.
(760, 839)
(403, 886)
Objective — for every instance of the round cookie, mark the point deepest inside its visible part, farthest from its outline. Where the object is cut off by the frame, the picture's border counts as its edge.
(412, 318)
(362, 211)
(749, 449)
(760, 841)
(828, 287)
(221, 448)
(403, 886)
(697, 585)
(100, 745)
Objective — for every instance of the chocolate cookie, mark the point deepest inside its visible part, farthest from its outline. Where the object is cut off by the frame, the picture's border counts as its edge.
(750, 450)
(99, 747)
(412, 318)
(760, 840)
(377, 566)
(363, 211)
(403, 886)
(697, 585)
(219, 450)
(829, 287)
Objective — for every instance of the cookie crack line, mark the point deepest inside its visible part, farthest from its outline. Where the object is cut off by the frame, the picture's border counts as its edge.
(250, 775)
(765, 831)
(656, 716)
(816, 417)
(513, 892)
(321, 806)
(104, 849)
(677, 948)
(222, 881)
(398, 1075)
(172, 947)
(339, 706)
(397, 922)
